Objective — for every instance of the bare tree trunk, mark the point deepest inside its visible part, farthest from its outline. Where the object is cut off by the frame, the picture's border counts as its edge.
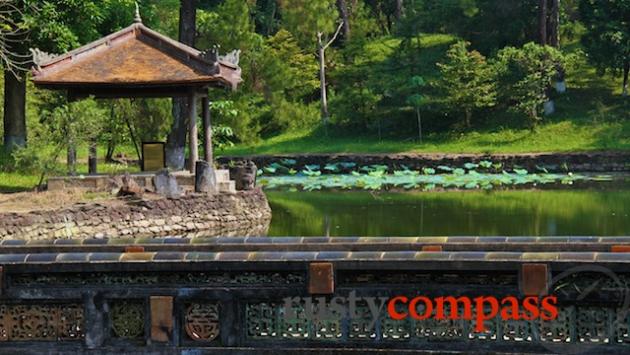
(71, 159)
(92, 159)
(554, 41)
(134, 140)
(345, 16)
(419, 124)
(14, 111)
(626, 70)
(176, 141)
(322, 79)
(321, 51)
(468, 116)
(400, 9)
(542, 21)
(555, 24)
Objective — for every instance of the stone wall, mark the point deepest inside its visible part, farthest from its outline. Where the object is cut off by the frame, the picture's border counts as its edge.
(245, 213)
(553, 162)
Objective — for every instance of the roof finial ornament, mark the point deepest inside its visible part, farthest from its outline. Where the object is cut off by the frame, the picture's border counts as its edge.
(137, 18)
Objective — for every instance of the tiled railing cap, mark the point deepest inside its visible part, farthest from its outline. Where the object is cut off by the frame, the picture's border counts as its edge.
(315, 240)
(337, 256)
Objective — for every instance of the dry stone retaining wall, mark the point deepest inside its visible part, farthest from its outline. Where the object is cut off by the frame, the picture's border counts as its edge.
(553, 162)
(245, 213)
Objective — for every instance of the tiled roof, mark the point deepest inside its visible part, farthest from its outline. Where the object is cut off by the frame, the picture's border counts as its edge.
(135, 56)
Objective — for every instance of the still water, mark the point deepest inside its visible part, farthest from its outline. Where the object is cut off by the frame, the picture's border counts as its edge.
(600, 211)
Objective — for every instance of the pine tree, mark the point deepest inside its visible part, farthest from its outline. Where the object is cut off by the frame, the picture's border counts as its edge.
(468, 80)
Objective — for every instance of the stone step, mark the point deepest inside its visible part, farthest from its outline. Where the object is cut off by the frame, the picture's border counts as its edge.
(223, 175)
(226, 186)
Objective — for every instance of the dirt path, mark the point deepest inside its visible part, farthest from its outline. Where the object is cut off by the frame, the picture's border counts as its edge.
(49, 200)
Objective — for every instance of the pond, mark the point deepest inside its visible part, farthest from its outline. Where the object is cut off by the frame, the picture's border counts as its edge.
(596, 208)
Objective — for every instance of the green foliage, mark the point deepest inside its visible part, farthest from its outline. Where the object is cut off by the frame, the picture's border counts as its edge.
(488, 24)
(68, 125)
(525, 77)
(241, 115)
(222, 137)
(607, 39)
(289, 70)
(468, 81)
(229, 26)
(304, 18)
(291, 116)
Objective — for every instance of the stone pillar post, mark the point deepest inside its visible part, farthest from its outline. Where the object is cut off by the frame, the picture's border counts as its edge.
(205, 178)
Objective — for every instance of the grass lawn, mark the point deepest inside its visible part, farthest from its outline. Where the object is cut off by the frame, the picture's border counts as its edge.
(564, 136)
(19, 181)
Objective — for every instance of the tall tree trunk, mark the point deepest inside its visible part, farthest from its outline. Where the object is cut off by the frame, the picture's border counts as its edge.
(92, 158)
(400, 9)
(71, 159)
(322, 78)
(342, 6)
(14, 111)
(419, 124)
(542, 21)
(626, 70)
(468, 116)
(554, 39)
(176, 141)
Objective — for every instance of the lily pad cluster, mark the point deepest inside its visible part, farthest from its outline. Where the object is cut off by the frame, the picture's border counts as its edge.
(484, 175)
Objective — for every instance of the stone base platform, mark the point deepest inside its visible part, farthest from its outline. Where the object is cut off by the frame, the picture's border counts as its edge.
(101, 181)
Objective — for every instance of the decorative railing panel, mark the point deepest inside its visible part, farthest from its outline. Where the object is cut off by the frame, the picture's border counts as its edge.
(222, 301)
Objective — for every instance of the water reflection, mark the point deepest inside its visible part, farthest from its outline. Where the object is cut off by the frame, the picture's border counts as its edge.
(506, 213)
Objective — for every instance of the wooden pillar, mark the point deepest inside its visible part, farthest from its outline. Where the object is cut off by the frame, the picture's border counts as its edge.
(192, 133)
(207, 130)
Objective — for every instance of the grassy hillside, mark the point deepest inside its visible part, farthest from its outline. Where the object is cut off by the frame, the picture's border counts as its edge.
(592, 115)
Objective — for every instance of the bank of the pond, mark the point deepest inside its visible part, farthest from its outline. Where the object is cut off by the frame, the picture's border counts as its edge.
(553, 162)
(242, 213)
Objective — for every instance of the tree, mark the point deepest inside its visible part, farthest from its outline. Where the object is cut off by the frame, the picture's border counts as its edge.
(11, 33)
(400, 9)
(287, 69)
(53, 26)
(554, 21)
(176, 141)
(526, 74)
(322, 45)
(468, 80)
(64, 127)
(15, 61)
(417, 100)
(344, 13)
(305, 18)
(607, 41)
(542, 21)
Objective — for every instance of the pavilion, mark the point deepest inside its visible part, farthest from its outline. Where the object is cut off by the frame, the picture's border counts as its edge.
(139, 62)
